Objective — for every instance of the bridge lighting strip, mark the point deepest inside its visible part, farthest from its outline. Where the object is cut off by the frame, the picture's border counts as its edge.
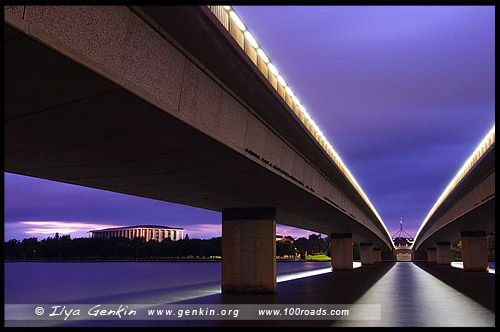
(485, 144)
(313, 127)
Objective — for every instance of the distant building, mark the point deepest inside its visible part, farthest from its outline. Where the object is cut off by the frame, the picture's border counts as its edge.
(149, 232)
(284, 238)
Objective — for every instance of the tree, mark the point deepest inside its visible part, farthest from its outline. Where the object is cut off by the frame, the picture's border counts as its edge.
(285, 248)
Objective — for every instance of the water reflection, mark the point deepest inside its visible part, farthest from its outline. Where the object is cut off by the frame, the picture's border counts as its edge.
(126, 282)
(412, 297)
(460, 265)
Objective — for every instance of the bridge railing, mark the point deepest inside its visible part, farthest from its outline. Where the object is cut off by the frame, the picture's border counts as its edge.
(235, 26)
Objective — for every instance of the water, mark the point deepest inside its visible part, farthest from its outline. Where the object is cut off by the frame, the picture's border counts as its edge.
(410, 294)
(125, 282)
(460, 265)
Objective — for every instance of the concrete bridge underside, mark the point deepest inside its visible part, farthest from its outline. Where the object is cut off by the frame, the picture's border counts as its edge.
(467, 214)
(91, 105)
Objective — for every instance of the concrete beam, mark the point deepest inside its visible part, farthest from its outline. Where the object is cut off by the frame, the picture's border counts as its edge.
(474, 251)
(377, 255)
(443, 253)
(366, 253)
(341, 249)
(431, 255)
(249, 250)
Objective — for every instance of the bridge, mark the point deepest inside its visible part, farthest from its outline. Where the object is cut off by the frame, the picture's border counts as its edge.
(465, 211)
(180, 104)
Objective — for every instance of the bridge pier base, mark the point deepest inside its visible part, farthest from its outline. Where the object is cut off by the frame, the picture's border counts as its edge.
(431, 255)
(377, 255)
(249, 250)
(366, 253)
(474, 251)
(443, 253)
(341, 250)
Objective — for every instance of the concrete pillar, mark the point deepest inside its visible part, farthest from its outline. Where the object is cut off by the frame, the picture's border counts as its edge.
(366, 253)
(249, 250)
(443, 253)
(341, 250)
(377, 255)
(161, 235)
(474, 251)
(431, 255)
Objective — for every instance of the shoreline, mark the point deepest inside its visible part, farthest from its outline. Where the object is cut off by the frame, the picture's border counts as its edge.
(137, 260)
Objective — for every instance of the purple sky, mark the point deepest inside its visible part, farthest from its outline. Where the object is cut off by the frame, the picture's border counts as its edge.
(404, 95)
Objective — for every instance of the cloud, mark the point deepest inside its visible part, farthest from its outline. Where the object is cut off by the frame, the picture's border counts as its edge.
(43, 229)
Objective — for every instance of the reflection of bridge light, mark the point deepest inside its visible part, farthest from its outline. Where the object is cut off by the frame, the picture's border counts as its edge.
(313, 128)
(486, 142)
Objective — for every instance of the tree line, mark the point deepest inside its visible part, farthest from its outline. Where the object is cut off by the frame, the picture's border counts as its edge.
(64, 247)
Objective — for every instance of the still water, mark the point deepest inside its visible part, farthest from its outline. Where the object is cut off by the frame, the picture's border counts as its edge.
(126, 282)
(410, 294)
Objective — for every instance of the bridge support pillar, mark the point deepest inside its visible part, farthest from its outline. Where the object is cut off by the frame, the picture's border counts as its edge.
(341, 250)
(377, 255)
(366, 253)
(249, 250)
(474, 251)
(443, 253)
(431, 255)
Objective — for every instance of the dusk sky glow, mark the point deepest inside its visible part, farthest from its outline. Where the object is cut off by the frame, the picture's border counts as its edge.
(404, 95)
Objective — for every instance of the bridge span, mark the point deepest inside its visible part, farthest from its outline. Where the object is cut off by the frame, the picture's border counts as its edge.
(179, 104)
(465, 211)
